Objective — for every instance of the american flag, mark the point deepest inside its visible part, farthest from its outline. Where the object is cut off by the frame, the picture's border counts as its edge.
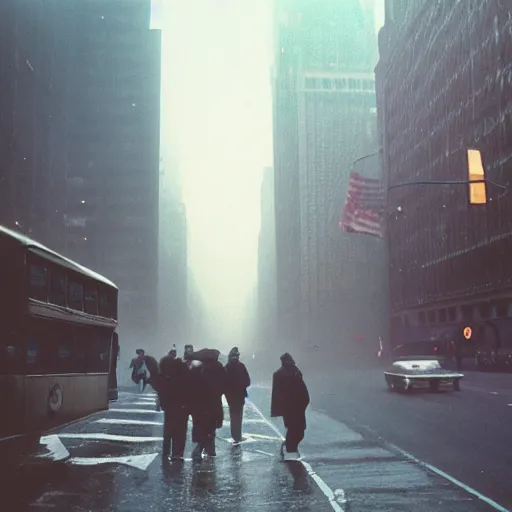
(364, 208)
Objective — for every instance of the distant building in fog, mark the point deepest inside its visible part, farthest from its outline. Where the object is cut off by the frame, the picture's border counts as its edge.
(324, 119)
(266, 291)
(79, 137)
(173, 265)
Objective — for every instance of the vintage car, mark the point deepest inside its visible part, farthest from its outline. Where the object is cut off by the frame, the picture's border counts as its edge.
(420, 371)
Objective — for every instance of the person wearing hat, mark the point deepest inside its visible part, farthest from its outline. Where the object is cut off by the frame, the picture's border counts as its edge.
(290, 399)
(174, 400)
(237, 382)
(207, 385)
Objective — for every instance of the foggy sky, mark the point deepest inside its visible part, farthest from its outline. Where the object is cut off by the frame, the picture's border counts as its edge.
(217, 131)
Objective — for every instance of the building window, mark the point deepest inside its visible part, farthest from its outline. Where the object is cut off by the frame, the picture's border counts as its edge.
(485, 310)
(452, 314)
(442, 316)
(38, 282)
(432, 317)
(421, 318)
(501, 309)
(467, 313)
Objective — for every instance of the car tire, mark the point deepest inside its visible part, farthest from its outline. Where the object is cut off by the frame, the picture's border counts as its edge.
(456, 385)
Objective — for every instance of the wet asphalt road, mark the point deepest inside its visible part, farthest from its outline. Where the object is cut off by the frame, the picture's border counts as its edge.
(467, 435)
(111, 462)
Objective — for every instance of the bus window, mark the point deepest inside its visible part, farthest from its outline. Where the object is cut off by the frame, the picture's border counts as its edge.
(64, 359)
(104, 345)
(11, 355)
(38, 282)
(91, 299)
(75, 295)
(57, 287)
(105, 303)
(97, 343)
(39, 358)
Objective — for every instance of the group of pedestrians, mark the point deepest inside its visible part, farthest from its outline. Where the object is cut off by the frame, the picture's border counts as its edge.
(193, 386)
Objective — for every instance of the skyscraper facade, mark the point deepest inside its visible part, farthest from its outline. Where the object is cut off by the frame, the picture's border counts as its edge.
(80, 124)
(444, 81)
(324, 119)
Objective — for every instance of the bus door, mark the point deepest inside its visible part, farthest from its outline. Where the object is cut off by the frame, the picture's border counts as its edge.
(112, 380)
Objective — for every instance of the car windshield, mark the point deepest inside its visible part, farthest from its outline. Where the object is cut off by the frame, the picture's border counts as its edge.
(421, 348)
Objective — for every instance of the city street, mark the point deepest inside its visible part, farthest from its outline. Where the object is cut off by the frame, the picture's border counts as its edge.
(111, 461)
(466, 434)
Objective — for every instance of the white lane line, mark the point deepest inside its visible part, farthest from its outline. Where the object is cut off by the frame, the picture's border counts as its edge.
(99, 436)
(328, 492)
(141, 462)
(261, 436)
(140, 395)
(446, 476)
(120, 421)
(136, 411)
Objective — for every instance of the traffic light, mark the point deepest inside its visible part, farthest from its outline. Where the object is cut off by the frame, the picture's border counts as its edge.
(476, 173)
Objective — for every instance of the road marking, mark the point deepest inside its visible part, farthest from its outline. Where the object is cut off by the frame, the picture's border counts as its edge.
(269, 438)
(136, 411)
(328, 492)
(141, 462)
(54, 445)
(111, 437)
(120, 421)
(446, 476)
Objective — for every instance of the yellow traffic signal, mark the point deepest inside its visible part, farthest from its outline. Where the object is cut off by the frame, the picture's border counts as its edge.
(477, 186)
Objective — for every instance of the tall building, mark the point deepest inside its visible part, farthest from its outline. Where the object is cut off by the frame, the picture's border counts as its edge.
(324, 119)
(80, 127)
(267, 312)
(173, 273)
(444, 86)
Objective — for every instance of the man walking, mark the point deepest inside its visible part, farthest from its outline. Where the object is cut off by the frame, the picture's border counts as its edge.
(207, 377)
(139, 369)
(173, 393)
(290, 398)
(237, 382)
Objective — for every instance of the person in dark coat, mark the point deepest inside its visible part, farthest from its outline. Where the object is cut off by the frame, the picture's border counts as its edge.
(290, 399)
(139, 369)
(237, 382)
(174, 400)
(207, 383)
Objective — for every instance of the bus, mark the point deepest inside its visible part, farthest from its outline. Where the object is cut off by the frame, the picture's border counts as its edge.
(58, 345)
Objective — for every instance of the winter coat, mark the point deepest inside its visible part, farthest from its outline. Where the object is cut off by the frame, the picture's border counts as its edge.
(174, 388)
(290, 396)
(208, 383)
(152, 366)
(237, 382)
